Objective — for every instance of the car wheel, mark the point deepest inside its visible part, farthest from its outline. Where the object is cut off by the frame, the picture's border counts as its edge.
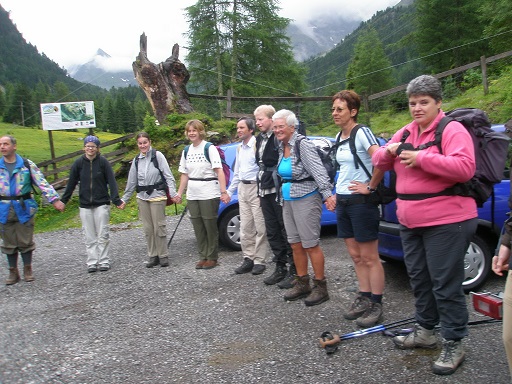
(477, 264)
(229, 229)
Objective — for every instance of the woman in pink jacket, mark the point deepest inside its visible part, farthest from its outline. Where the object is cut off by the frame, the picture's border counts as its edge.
(435, 230)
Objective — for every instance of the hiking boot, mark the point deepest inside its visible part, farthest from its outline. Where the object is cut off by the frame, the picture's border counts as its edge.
(301, 288)
(357, 308)
(246, 266)
(104, 267)
(371, 316)
(92, 268)
(152, 262)
(278, 275)
(27, 273)
(419, 338)
(258, 269)
(209, 264)
(318, 294)
(289, 279)
(200, 264)
(14, 276)
(450, 358)
(164, 261)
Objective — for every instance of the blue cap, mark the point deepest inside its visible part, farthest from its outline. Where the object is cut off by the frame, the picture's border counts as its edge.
(92, 139)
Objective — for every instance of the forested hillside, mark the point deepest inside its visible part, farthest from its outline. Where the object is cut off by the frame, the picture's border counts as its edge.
(420, 36)
(250, 59)
(28, 78)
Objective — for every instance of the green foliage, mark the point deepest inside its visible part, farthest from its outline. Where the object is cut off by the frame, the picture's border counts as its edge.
(472, 78)
(456, 40)
(369, 70)
(241, 46)
(495, 16)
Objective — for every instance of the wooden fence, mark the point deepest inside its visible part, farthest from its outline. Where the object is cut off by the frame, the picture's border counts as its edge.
(52, 174)
(482, 63)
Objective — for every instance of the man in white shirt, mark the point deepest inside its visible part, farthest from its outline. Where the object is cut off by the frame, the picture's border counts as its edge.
(253, 237)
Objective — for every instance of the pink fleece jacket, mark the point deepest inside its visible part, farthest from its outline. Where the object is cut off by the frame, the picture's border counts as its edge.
(433, 173)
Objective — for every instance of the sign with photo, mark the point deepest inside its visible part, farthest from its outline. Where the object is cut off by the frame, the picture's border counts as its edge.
(72, 115)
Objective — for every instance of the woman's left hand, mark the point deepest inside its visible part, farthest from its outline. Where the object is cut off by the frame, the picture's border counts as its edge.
(408, 158)
(358, 187)
(330, 203)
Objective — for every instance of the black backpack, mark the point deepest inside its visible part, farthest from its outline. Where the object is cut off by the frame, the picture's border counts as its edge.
(491, 151)
(326, 151)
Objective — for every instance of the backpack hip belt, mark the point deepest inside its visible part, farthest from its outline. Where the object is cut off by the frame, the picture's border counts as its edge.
(205, 179)
(24, 196)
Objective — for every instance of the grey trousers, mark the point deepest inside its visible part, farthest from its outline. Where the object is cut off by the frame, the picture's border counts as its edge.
(434, 257)
(95, 223)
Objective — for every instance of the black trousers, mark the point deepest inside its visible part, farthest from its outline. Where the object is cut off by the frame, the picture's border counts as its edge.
(276, 234)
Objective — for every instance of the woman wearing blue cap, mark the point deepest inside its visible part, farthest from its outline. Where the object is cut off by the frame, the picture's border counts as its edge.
(96, 177)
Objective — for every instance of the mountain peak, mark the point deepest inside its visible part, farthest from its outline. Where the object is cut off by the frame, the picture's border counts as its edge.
(101, 52)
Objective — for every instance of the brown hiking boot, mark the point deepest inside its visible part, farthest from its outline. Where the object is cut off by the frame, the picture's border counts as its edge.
(209, 264)
(319, 293)
(357, 308)
(14, 276)
(301, 288)
(27, 273)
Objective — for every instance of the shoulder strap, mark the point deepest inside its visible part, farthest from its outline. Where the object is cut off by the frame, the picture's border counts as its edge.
(439, 131)
(297, 148)
(27, 164)
(185, 151)
(352, 144)
(206, 149)
(155, 161)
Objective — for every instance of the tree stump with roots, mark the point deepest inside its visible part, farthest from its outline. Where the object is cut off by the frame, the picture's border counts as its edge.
(164, 84)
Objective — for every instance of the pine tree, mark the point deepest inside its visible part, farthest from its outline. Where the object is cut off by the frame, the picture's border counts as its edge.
(369, 70)
(241, 45)
(449, 33)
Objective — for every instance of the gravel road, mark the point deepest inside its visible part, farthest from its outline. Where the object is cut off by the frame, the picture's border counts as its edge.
(180, 325)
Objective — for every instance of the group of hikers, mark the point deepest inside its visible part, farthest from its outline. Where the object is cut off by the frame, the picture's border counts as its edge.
(281, 185)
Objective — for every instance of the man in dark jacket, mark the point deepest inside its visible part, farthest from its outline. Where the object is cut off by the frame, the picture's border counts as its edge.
(96, 177)
(267, 156)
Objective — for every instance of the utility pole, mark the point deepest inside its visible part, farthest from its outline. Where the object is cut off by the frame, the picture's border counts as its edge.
(22, 115)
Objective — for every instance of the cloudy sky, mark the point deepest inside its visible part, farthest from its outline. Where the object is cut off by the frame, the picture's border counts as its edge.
(70, 32)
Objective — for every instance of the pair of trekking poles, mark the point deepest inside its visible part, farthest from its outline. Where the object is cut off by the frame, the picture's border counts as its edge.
(330, 341)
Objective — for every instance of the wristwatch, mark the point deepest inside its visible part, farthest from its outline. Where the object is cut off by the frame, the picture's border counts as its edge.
(371, 189)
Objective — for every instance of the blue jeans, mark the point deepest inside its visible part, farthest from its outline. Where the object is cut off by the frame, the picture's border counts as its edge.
(434, 257)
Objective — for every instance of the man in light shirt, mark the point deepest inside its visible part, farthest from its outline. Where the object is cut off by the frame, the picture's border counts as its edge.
(253, 237)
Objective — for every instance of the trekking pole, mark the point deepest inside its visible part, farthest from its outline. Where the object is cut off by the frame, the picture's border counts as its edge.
(328, 339)
(406, 331)
(177, 225)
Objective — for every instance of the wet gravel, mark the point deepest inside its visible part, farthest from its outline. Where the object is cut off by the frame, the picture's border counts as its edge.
(180, 325)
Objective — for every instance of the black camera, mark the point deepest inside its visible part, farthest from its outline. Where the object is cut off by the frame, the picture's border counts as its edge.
(404, 147)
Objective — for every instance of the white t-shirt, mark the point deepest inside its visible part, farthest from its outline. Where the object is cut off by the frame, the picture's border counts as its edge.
(196, 166)
(364, 139)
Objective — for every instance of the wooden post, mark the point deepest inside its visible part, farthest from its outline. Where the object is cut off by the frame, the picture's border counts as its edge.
(366, 106)
(485, 81)
(22, 114)
(52, 153)
(228, 102)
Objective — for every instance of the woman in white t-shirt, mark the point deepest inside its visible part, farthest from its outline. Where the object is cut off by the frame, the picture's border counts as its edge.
(357, 216)
(204, 181)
